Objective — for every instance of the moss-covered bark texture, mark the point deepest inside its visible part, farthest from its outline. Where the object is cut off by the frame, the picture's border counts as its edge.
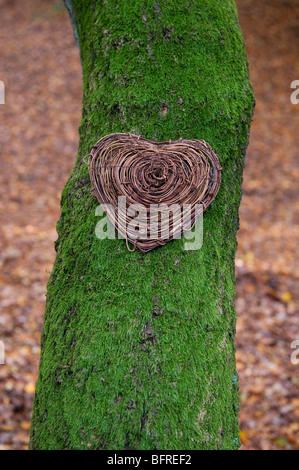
(138, 350)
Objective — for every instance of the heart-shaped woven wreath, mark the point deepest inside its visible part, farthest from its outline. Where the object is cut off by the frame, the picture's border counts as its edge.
(147, 173)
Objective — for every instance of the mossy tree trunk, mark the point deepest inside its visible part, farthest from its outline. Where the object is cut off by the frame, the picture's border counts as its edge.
(138, 350)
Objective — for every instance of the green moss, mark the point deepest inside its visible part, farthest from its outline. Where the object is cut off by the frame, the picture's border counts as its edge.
(138, 350)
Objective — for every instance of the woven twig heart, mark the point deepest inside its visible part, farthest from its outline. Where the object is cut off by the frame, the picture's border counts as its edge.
(184, 172)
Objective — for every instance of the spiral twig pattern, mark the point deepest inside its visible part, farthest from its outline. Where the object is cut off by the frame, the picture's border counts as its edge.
(183, 172)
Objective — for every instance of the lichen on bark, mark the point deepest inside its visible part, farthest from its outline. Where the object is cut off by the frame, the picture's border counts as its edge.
(138, 350)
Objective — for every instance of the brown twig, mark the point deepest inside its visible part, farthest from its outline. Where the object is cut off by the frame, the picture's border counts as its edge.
(147, 172)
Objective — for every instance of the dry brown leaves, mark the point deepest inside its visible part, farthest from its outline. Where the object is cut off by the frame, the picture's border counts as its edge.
(267, 263)
(39, 141)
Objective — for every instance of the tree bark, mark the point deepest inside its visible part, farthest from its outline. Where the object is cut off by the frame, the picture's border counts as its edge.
(138, 350)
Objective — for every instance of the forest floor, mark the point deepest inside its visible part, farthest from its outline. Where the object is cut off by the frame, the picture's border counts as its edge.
(41, 70)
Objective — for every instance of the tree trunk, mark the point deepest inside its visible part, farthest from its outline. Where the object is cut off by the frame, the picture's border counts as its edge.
(138, 349)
